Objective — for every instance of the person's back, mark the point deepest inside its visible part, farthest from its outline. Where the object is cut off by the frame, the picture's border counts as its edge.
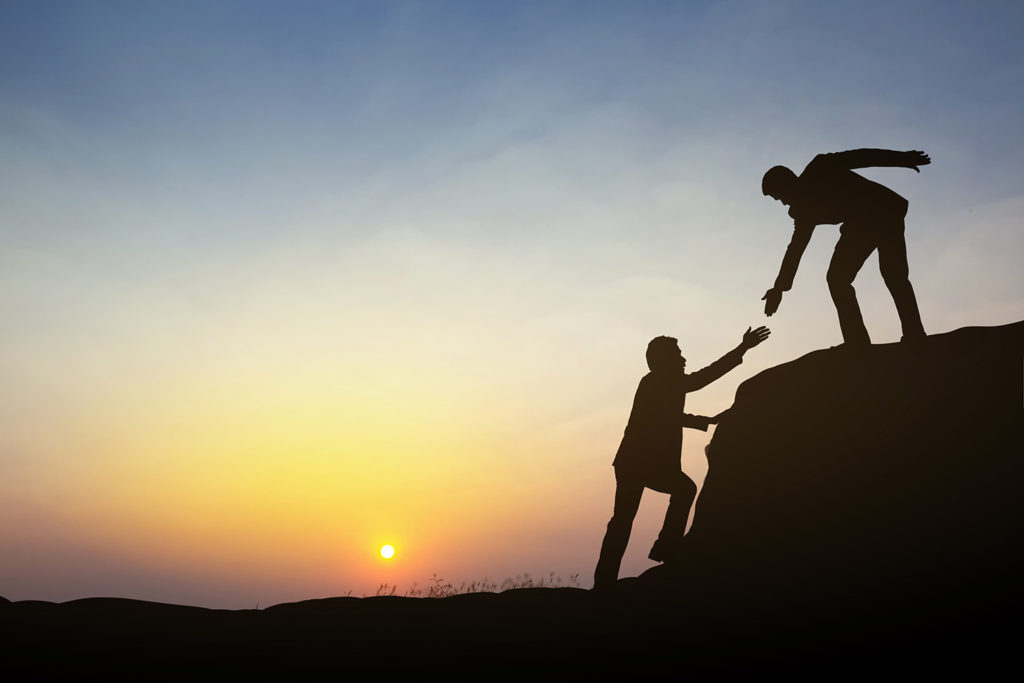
(653, 437)
(829, 191)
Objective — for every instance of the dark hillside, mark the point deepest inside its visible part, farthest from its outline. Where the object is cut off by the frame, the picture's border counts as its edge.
(889, 476)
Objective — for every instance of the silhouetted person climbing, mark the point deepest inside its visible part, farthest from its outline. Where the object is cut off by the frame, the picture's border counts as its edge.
(651, 447)
(828, 191)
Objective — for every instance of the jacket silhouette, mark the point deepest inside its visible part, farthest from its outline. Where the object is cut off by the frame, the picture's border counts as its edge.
(653, 439)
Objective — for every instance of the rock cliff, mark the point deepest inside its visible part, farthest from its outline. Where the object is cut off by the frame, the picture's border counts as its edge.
(864, 479)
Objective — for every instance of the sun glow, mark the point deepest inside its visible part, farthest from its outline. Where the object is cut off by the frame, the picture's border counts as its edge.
(387, 552)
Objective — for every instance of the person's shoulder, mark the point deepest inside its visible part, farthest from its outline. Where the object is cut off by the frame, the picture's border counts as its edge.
(660, 379)
(646, 381)
(821, 161)
(655, 377)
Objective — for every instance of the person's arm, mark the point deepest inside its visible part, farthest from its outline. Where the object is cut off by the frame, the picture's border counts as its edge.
(696, 422)
(718, 418)
(865, 158)
(705, 376)
(801, 236)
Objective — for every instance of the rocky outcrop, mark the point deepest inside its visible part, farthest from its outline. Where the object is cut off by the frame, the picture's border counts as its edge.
(860, 479)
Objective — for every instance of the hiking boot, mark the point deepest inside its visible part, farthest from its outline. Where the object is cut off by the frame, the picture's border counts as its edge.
(855, 347)
(665, 551)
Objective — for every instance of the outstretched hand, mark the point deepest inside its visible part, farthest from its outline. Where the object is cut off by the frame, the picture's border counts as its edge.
(917, 158)
(753, 338)
(772, 299)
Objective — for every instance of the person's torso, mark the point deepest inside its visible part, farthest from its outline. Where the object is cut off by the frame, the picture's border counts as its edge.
(827, 193)
(654, 430)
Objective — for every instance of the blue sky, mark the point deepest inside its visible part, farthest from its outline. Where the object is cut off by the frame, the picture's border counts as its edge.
(255, 114)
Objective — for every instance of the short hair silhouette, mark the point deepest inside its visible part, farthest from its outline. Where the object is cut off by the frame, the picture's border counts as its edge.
(776, 179)
(661, 350)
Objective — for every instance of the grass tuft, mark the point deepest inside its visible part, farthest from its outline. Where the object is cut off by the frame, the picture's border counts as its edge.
(438, 587)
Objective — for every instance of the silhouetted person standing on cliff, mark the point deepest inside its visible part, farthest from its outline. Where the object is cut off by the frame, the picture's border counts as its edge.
(828, 191)
(652, 445)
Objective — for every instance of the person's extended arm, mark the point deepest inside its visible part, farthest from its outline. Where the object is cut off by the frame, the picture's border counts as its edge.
(773, 297)
(705, 376)
(865, 158)
(696, 422)
(702, 422)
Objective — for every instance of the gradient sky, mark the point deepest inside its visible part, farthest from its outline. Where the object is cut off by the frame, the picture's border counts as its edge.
(282, 282)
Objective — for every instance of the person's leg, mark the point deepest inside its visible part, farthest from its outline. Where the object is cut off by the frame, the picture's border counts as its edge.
(671, 536)
(853, 248)
(679, 508)
(892, 262)
(627, 500)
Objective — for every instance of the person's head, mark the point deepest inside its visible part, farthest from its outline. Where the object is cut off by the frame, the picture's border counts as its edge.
(663, 354)
(779, 183)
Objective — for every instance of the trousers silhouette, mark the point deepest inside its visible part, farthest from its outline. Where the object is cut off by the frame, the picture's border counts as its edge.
(628, 492)
(856, 242)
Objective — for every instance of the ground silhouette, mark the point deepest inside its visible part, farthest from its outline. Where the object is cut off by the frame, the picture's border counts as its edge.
(861, 516)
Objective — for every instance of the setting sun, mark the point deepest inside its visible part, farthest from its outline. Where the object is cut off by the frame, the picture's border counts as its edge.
(387, 552)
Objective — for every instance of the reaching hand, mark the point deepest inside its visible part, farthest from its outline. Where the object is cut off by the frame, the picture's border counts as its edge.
(752, 339)
(772, 299)
(917, 158)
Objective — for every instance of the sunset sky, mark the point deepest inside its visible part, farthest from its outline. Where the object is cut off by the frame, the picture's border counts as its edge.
(283, 282)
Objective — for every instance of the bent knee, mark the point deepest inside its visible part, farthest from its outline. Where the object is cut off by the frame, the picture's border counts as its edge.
(896, 281)
(686, 486)
(895, 275)
(620, 524)
(838, 279)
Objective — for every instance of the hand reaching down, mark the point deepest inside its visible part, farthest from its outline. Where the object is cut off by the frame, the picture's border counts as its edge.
(772, 299)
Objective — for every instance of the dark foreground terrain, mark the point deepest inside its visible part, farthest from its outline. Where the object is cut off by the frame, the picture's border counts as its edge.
(862, 516)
